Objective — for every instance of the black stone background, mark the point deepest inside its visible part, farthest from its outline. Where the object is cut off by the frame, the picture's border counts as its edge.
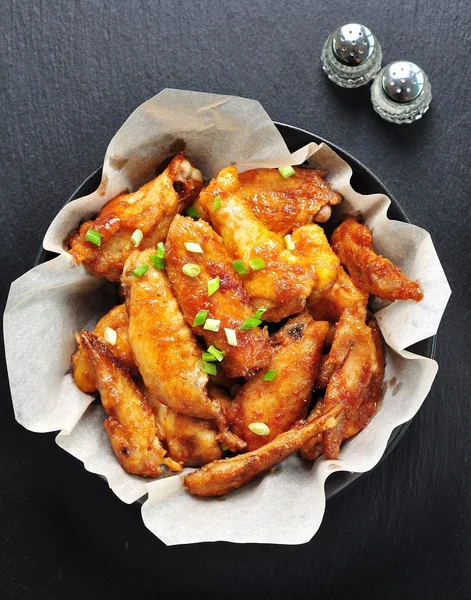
(71, 72)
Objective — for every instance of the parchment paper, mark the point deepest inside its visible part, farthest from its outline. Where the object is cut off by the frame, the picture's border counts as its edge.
(52, 301)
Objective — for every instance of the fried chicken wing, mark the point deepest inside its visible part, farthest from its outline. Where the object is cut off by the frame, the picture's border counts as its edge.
(164, 348)
(189, 441)
(281, 402)
(116, 319)
(222, 476)
(280, 282)
(344, 294)
(230, 304)
(284, 204)
(353, 244)
(150, 209)
(131, 422)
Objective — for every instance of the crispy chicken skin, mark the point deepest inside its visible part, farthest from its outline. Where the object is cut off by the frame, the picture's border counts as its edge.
(164, 347)
(189, 441)
(116, 319)
(284, 283)
(222, 476)
(284, 204)
(344, 294)
(230, 304)
(353, 244)
(353, 375)
(151, 209)
(281, 402)
(131, 422)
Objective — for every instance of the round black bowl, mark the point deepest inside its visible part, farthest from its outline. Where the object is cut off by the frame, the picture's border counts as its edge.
(364, 182)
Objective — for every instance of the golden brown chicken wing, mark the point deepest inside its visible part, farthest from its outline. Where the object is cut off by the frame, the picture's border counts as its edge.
(150, 209)
(279, 403)
(163, 345)
(284, 204)
(344, 294)
(229, 304)
(116, 319)
(353, 244)
(222, 476)
(276, 278)
(131, 422)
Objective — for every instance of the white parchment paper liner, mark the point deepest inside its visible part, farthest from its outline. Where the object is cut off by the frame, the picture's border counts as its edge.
(52, 301)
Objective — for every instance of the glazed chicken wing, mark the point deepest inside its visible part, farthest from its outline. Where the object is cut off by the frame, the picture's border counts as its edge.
(164, 348)
(150, 209)
(281, 402)
(276, 278)
(230, 304)
(116, 319)
(131, 422)
(353, 244)
(284, 204)
(222, 476)
(344, 294)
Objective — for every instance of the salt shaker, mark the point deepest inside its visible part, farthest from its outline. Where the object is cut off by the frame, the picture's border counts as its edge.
(351, 56)
(401, 92)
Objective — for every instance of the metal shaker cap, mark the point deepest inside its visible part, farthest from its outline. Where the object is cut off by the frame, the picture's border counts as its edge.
(403, 81)
(353, 44)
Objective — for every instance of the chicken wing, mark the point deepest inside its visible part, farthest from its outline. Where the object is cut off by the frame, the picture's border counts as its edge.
(344, 294)
(353, 244)
(131, 423)
(150, 209)
(164, 348)
(222, 476)
(281, 402)
(284, 204)
(230, 304)
(116, 319)
(277, 279)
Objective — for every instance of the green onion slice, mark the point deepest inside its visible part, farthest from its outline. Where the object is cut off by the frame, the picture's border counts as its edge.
(289, 242)
(212, 325)
(140, 270)
(239, 267)
(270, 375)
(158, 262)
(94, 237)
(192, 212)
(191, 270)
(193, 247)
(217, 203)
(250, 323)
(136, 237)
(209, 368)
(260, 312)
(110, 335)
(231, 336)
(200, 318)
(256, 264)
(213, 285)
(160, 250)
(286, 172)
(218, 354)
(207, 357)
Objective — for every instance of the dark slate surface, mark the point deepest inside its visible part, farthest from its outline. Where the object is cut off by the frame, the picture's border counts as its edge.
(71, 73)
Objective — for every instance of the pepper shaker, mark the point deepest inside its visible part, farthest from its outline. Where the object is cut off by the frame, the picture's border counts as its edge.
(401, 92)
(351, 56)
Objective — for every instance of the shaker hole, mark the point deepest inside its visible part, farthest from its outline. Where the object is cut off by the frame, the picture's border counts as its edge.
(403, 80)
(408, 90)
(398, 90)
(360, 51)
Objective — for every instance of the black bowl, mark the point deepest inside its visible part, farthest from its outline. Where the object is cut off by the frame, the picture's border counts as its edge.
(364, 182)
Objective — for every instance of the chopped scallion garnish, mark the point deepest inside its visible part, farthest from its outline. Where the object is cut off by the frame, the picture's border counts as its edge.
(158, 262)
(250, 323)
(217, 203)
(239, 267)
(260, 312)
(140, 270)
(289, 242)
(270, 375)
(218, 354)
(191, 212)
(136, 238)
(209, 368)
(256, 264)
(207, 357)
(200, 318)
(213, 285)
(191, 270)
(231, 336)
(286, 172)
(212, 324)
(160, 250)
(110, 336)
(94, 237)
(259, 428)
(193, 247)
